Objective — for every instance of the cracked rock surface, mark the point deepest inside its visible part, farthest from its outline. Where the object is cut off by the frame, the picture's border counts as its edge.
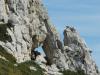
(27, 26)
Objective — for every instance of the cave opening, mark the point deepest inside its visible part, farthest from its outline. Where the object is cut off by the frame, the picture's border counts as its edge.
(36, 52)
(40, 49)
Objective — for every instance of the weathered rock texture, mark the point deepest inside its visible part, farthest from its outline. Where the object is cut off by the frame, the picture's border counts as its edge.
(77, 52)
(26, 26)
(73, 55)
(26, 19)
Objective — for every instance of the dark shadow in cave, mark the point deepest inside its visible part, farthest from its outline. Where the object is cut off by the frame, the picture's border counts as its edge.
(37, 51)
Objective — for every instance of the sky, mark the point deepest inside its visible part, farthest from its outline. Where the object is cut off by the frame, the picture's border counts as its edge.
(84, 15)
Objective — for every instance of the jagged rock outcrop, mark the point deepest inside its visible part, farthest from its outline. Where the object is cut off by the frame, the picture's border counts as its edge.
(25, 26)
(79, 55)
(25, 21)
(73, 55)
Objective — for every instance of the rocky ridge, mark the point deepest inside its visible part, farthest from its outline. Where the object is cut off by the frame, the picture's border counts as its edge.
(25, 26)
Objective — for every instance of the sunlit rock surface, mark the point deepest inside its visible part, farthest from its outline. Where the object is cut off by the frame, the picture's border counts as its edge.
(28, 27)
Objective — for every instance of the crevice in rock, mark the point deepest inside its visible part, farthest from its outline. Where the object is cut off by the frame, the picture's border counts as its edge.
(4, 36)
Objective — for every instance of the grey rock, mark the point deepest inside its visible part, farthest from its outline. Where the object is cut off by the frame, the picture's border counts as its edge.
(33, 68)
(25, 17)
(78, 53)
(30, 28)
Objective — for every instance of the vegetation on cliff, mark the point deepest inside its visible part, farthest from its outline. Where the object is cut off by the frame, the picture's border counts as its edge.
(10, 67)
(68, 72)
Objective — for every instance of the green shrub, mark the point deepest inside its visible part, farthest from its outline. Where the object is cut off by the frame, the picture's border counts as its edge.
(8, 68)
(24, 68)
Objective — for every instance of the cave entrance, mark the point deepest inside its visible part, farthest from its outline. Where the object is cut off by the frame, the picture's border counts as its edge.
(36, 52)
(37, 47)
(40, 49)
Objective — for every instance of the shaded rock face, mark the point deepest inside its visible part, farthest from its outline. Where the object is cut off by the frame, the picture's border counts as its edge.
(28, 27)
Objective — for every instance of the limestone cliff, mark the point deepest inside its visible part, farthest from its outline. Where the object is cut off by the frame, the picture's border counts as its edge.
(25, 26)
(25, 21)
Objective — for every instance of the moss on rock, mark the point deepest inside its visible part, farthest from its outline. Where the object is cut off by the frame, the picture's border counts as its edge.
(8, 56)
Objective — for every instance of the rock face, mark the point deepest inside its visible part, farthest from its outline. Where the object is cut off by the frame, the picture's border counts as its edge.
(27, 26)
(79, 55)
(73, 54)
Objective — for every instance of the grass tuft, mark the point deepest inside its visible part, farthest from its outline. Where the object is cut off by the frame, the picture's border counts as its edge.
(68, 72)
(8, 56)
(8, 68)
